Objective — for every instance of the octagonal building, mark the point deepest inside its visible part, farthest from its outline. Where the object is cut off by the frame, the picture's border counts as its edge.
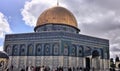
(56, 42)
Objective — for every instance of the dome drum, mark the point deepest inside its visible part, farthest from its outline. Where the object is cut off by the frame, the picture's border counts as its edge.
(52, 27)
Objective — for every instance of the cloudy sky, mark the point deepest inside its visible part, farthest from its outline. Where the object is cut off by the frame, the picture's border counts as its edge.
(99, 18)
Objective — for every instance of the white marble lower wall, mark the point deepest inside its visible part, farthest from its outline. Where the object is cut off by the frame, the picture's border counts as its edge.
(38, 60)
(10, 60)
(102, 64)
(52, 61)
(22, 61)
(106, 64)
(56, 61)
(96, 63)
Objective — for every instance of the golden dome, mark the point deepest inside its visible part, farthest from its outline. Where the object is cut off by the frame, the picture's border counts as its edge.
(57, 15)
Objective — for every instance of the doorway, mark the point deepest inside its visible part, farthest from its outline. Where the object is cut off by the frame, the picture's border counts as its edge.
(88, 63)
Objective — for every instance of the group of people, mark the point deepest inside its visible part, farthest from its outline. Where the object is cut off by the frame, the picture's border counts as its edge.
(47, 68)
(38, 68)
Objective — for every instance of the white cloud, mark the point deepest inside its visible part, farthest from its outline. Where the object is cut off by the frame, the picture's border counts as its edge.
(34, 8)
(1, 48)
(100, 18)
(4, 25)
(4, 28)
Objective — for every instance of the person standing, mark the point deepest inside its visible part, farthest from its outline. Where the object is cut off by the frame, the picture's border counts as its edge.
(29, 68)
(11, 68)
(32, 68)
(22, 69)
(69, 69)
(42, 68)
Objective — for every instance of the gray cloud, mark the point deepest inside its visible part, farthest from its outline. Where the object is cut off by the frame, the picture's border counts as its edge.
(108, 4)
(115, 48)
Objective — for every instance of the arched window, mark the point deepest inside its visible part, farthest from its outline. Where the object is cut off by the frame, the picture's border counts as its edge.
(15, 50)
(30, 49)
(73, 50)
(66, 46)
(22, 50)
(8, 49)
(95, 53)
(38, 49)
(87, 50)
(47, 49)
(56, 49)
(80, 50)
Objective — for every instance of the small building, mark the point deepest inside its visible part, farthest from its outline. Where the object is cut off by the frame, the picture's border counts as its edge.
(4, 60)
